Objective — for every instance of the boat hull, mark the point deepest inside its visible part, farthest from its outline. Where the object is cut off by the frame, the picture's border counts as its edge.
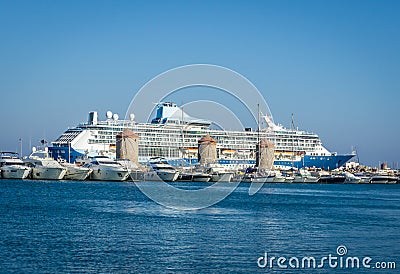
(48, 173)
(15, 172)
(77, 174)
(99, 174)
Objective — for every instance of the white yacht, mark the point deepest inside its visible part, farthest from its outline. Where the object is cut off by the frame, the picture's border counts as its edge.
(12, 167)
(383, 177)
(75, 172)
(219, 173)
(160, 169)
(200, 176)
(304, 176)
(106, 169)
(351, 178)
(43, 166)
(279, 178)
(136, 173)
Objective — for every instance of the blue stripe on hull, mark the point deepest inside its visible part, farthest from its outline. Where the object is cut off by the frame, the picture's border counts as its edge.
(324, 162)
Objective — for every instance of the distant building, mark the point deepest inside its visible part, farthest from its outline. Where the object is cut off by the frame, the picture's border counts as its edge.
(352, 165)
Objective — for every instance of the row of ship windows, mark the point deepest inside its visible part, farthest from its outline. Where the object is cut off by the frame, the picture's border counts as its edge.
(235, 142)
(223, 135)
(194, 144)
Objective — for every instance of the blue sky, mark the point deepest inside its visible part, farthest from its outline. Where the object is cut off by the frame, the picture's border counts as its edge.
(334, 64)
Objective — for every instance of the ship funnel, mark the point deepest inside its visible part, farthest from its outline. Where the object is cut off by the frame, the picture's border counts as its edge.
(207, 150)
(93, 118)
(265, 154)
(127, 146)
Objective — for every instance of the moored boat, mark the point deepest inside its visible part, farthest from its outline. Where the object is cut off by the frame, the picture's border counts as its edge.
(12, 167)
(351, 178)
(304, 176)
(76, 173)
(160, 169)
(383, 178)
(105, 169)
(43, 166)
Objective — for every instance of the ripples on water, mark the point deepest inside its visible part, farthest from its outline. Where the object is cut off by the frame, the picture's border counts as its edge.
(112, 227)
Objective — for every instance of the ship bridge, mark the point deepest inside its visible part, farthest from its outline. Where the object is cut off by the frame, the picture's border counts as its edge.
(170, 113)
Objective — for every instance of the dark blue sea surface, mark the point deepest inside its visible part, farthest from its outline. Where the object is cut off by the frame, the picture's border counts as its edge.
(109, 227)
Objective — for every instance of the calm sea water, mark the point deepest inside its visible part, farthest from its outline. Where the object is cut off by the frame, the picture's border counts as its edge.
(109, 227)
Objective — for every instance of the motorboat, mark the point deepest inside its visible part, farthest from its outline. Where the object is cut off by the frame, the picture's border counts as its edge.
(161, 170)
(43, 166)
(106, 169)
(278, 177)
(254, 175)
(75, 172)
(219, 173)
(289, 177)
(136, 173)
(185, 176)
(12, 167)
(383, 178)
(201, 176)
(351, 178)
(364, 178)
(332, 179)
(304, 176)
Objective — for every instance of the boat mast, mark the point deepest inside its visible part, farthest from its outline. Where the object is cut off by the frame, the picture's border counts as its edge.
(183, 137)
(20, 147)
(69, 152)
(258, 133)
(292, 126)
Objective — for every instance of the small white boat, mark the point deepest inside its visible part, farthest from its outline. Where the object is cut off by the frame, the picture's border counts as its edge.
(219, 173)
(12, 167)
(289, 178)
(383, 178)
(364, 178)
(351, 178)
(278, 177)
(106, 169)
(135, 172)
(201, 177)
(304, 176)
(75, 172)
(160, 169)
(43, 166)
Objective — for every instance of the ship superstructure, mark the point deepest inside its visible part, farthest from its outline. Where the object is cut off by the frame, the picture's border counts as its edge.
(174, 135)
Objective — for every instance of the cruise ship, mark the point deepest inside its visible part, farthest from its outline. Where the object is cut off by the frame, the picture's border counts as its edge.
(174, 135)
